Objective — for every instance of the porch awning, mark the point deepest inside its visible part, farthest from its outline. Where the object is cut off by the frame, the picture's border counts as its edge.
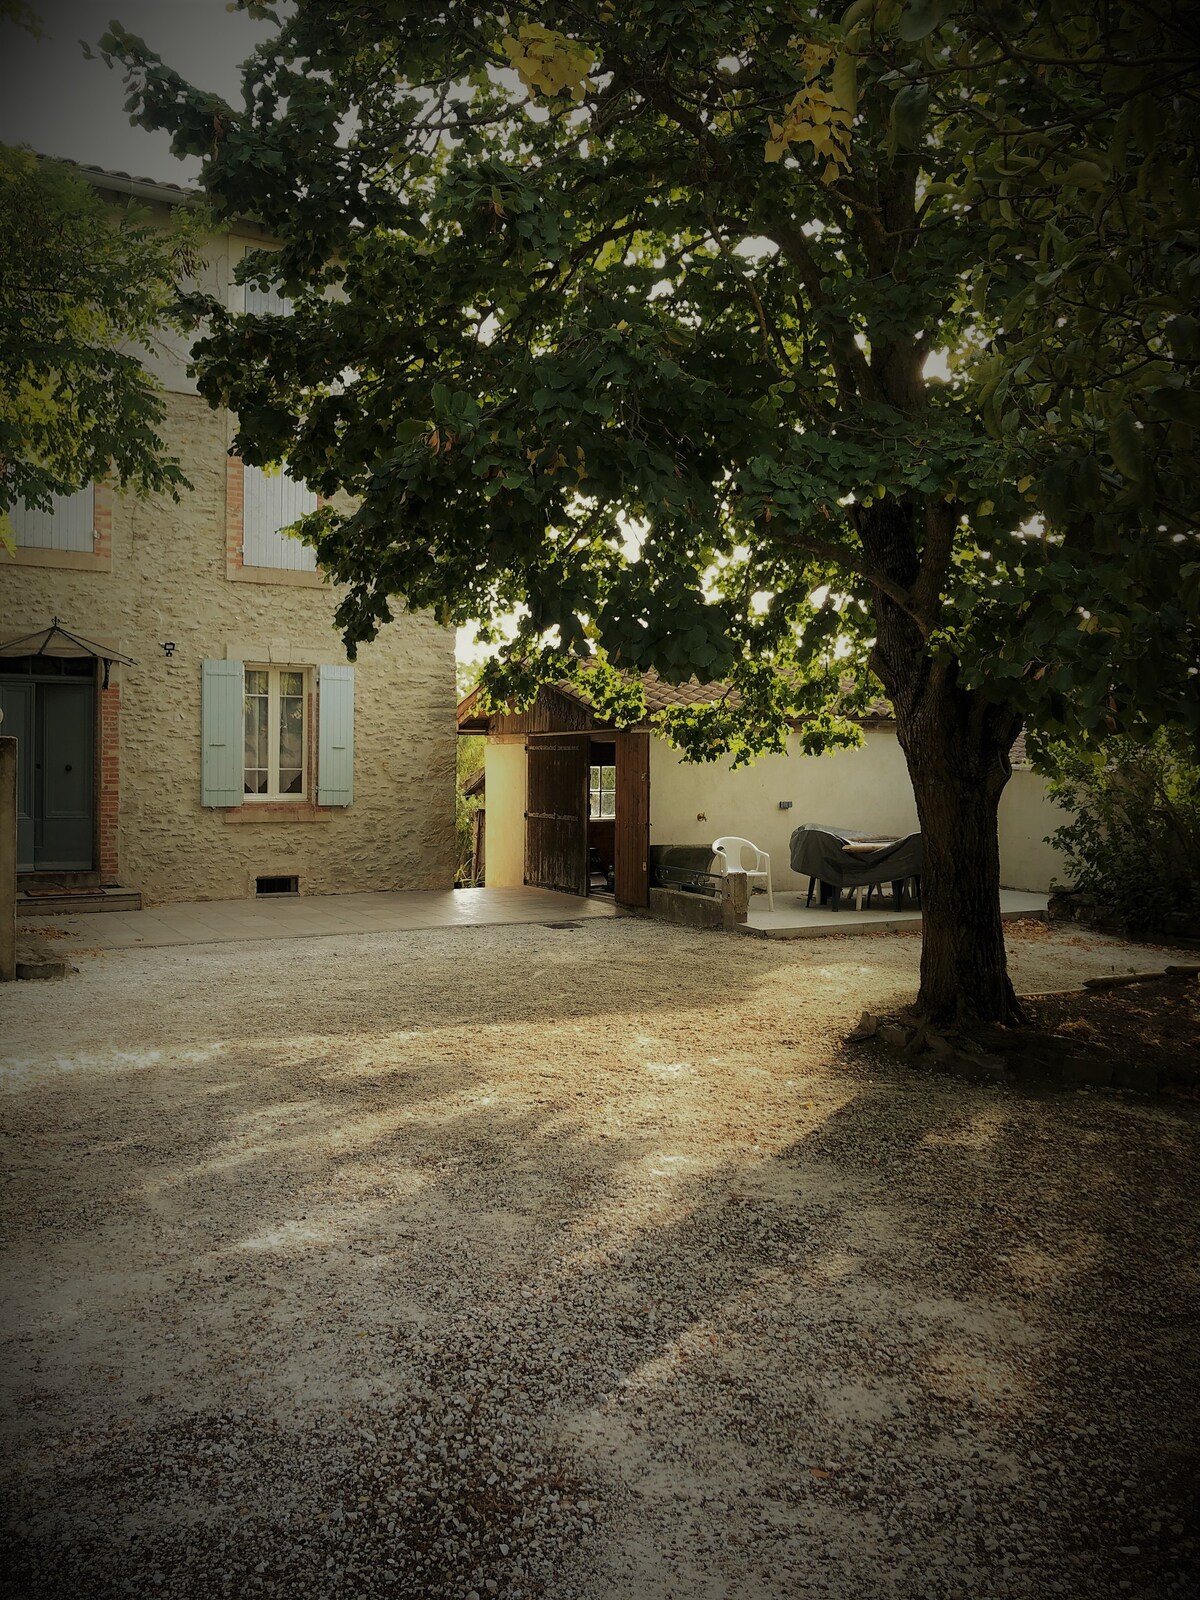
(56, 640)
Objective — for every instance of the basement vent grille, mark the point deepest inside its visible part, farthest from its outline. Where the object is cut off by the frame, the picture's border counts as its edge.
(276, 886)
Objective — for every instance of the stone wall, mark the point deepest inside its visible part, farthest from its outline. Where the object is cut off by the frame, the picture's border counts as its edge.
(169, 582)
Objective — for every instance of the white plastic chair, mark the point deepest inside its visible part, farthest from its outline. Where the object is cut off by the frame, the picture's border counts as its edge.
(732, 851)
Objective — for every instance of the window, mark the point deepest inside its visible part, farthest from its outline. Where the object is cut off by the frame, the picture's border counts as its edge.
(602, 792)
(266, 302)
(69, 525)
(272, 501)
(274, 703)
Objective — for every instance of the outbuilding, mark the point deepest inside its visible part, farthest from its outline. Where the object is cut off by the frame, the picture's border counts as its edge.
(575, 804)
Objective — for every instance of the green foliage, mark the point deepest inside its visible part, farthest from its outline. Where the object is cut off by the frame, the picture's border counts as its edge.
(468, 762)
(82, 284)
(634, 340)
(1134, 840)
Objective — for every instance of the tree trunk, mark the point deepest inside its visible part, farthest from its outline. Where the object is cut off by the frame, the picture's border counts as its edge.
(957, 752)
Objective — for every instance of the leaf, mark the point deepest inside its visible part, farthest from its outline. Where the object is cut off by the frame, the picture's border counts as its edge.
(1083, 175)
(908, 113)
(1125, 445)
(921, 17)
(845, 81)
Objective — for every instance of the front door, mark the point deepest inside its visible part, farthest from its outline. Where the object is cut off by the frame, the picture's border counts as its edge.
(557, 812)
(631, 866)
(54, 720)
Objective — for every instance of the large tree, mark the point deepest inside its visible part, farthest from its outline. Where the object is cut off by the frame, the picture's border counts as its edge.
(84, 285)
(622, 312)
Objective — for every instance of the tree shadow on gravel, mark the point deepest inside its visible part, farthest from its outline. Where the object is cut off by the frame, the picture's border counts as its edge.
(378, 1342)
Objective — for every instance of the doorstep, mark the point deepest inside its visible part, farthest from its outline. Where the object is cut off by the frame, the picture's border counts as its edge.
(58, 902)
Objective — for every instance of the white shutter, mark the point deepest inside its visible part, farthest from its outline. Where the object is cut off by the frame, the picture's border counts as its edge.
(69, 525)
(335, 746)
(221, 733)
(267, 302)
(271, 502)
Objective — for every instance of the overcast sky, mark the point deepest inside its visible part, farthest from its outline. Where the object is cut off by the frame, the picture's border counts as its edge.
(56, 101)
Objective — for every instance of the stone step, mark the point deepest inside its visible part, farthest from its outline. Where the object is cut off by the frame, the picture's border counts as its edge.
(76, 901)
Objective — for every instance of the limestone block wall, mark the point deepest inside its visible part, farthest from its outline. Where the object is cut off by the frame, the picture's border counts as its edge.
(168, 582)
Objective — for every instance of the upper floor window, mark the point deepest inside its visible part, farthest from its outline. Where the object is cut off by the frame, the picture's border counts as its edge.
(266, 302)
(70, 524)
(270, 502)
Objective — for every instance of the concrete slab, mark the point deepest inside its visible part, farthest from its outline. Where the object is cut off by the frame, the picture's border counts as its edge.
(792, 919)
(314, 917)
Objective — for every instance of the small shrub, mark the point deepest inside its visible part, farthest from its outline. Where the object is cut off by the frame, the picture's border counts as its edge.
(1134, 839)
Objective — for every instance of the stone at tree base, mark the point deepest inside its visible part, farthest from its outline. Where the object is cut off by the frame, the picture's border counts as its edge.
(866, 1028)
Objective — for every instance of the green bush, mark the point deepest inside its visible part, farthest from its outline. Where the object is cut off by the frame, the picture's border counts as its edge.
(470, 759)
(1134, 838)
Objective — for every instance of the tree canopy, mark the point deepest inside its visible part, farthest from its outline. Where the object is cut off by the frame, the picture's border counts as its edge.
(623, 314)
(82, 285)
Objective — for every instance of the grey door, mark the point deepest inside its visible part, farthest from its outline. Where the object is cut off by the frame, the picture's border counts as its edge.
(67, 712)
(54, 722)
(16, 702)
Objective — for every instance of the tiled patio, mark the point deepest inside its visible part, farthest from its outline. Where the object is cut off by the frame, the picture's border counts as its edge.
(313, 917)
(792, 919)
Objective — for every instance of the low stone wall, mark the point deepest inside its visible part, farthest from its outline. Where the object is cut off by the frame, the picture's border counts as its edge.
(725, 909)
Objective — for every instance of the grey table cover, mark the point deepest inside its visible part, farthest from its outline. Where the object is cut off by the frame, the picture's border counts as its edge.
(816, 850)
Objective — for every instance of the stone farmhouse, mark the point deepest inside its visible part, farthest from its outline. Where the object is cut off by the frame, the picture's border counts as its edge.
(189, 726)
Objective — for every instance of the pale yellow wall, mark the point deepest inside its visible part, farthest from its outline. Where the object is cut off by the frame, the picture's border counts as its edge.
(506, 770)
(1027, 816)
(864, 791)
(168, 581)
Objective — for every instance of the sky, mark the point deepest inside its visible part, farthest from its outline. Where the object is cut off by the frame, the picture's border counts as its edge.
(59, 103)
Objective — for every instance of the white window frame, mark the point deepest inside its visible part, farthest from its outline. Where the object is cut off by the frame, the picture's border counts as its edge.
(598, 789)
(273, 795)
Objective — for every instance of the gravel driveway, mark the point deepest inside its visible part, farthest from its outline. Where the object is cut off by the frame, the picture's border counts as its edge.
(579, 1263)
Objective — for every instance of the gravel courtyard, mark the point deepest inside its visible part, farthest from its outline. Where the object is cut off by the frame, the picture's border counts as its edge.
(533, 1261)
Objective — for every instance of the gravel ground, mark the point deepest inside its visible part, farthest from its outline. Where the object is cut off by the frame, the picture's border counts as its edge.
(579, 1263)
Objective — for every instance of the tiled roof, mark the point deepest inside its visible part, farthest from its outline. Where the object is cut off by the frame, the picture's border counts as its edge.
(663, 696)
(129, 182)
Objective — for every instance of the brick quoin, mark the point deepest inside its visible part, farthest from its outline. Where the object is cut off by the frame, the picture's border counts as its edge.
(110, 782)
(102, 521)
(235, 481)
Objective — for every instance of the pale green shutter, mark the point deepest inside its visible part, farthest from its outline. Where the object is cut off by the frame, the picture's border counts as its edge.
(221, 696)
(335, 754)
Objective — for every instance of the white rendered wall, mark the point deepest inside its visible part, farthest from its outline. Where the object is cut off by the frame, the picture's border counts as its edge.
(864, 791)
(1027, 816)
(505, 779)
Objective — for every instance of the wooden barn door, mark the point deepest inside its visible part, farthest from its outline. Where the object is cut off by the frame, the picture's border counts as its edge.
(632, 854)
(556, 814)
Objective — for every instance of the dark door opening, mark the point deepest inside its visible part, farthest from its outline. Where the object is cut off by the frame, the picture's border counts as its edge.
(49, 705)
(602, 815)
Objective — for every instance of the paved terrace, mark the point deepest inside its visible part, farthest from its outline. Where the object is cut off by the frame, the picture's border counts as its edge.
(314, 916)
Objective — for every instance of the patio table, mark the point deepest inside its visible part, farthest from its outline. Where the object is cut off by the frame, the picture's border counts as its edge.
(839, 859)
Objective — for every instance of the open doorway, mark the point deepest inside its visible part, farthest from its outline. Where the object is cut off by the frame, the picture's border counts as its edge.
(602, 817)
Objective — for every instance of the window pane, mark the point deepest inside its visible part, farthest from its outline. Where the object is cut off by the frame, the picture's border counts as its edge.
(608, 777)
(256, 681)
(291, 738)
(256, 730)
(608, 806)
(256, 781)
(291, 781)
(291, 683)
